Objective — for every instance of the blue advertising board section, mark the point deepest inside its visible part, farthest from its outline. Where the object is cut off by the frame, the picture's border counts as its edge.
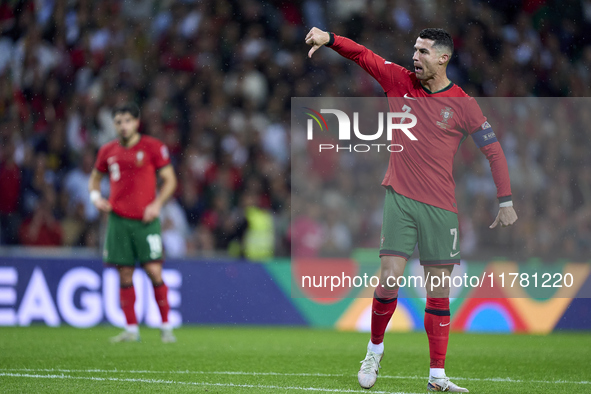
(83, 293)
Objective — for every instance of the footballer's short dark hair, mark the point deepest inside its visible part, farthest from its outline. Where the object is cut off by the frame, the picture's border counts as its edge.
(440, 38)
(127, 108)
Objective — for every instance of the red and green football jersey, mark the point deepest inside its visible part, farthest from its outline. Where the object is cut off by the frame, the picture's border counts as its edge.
(132, 174)
(423, 170)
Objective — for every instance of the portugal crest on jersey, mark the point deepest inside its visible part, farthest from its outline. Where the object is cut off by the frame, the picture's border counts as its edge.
(447, 114)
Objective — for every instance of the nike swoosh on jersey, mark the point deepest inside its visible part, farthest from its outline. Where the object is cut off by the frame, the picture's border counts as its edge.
(454, 254)
(443, 325)
(406, 96)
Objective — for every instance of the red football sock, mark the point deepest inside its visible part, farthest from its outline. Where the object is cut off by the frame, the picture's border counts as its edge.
(381, 313)
(161, 295)
(437, 321)
(127, 300)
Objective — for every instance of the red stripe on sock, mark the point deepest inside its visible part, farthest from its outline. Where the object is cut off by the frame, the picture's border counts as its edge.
(161, 295)
(127, 300)
(380, 317)
(437, 328)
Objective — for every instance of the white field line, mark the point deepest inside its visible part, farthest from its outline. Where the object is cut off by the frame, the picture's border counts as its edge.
(173, 382)
(508, 380)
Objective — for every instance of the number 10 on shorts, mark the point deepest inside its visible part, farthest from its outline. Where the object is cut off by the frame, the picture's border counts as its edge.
(155, 243)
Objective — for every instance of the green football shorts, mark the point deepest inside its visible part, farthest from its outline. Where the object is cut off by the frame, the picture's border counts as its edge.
(130, 240)
(408, 221)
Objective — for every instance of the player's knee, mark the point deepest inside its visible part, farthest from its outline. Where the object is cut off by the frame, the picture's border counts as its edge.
(154, 272)
(391, 268)
(155, 277)
(388, 278)
(125, 277)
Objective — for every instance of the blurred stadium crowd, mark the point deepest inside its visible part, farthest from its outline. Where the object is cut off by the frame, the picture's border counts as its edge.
(214, 80)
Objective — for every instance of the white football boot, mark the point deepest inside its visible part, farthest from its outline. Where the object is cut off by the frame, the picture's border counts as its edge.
(126, 336)
(443, 384)
(167, 336)
(370, 367)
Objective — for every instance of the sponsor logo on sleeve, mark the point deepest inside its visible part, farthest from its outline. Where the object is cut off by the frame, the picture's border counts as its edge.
(489, 136)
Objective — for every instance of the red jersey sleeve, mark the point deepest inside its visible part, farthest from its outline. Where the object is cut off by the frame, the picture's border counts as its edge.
(500, 171)
(101, 164)
(486, 140)
(472, 118)
(385, 72)
(160, 155)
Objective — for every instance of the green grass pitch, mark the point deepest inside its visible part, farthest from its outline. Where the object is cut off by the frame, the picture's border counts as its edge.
(281, 360)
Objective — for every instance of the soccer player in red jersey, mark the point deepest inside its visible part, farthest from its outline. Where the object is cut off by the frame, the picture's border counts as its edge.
(420, 204)
(133, 162)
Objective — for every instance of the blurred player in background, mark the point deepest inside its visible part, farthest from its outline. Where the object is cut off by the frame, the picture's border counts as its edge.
(420, 205)
(133, 231)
